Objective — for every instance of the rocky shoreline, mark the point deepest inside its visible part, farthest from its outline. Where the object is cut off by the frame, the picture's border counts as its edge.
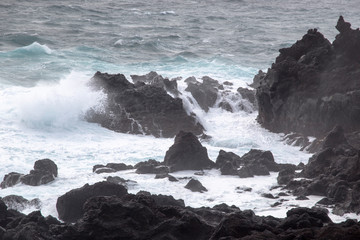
(303, 93)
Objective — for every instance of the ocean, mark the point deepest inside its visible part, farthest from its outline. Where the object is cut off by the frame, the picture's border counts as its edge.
(50, 49)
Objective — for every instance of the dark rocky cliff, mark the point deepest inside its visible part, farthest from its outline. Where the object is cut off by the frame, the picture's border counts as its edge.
(313, 85)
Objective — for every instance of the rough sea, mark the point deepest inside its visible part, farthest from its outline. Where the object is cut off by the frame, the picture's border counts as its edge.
(50, 49)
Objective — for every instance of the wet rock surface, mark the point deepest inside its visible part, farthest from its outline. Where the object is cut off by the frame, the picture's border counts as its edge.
(311, 82)
(147, 216)
(205, 92)
(187, 153)
(45, 171)
(140, 108)
(333, 172)
(254, 163)
(111, 167)
(69, 205)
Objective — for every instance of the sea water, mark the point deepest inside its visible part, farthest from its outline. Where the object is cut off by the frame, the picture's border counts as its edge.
(50, 49)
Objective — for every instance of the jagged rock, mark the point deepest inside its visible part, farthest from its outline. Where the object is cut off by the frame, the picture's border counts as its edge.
(70, 205)
(224, 157)
(146, 216)
(157, 80)
(238, 225)
(45, 171)
(195, 186)
(313, 85)
(141, 216)
(151, 166)
(205, 93)
(140, 108)
(257, 80)
(248, 95)
(11, 179)
(258, 157)
(305, 218)
(187, 153)
(32, 226)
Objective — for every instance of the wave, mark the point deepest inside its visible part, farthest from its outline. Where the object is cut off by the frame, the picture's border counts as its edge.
(52, 106)
(22, 39)
(34, 49)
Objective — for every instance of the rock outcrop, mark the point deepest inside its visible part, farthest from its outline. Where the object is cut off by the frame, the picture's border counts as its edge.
(205, 92)
(157, 80)
(45, 171)
(187, 153)
(111, 167)
(140, 108)
(70, 205)
(333, 172)
(255, 162)
(146, 216)
(313, 85)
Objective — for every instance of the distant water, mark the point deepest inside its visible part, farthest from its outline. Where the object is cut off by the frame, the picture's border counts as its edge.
(50, 49)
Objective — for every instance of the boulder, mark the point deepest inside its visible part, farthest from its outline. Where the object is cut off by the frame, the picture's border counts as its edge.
(70, 205)
(187, 153)
(305, 217)
(111, 167)
(140, 108)
(205, 93)
(313, 85)
(45, 171)
(259, 157)
(195, 186)
(224, 157)
(151, 167)
(11, 179)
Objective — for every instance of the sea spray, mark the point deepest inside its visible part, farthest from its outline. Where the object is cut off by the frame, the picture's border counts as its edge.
(59, 105)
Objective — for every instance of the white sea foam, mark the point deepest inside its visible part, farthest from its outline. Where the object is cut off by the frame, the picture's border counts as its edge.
(57, 105)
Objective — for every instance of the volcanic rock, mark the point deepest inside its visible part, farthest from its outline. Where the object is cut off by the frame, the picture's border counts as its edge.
(111, 167)
(195, 186)
(313, 85)
(70, 205)
(140, 108)
(205, 93)
(11, 179)
(45, 171)
(157, 80)
(187, 153)
(151, 167)
(248, 95)
(224, 157)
